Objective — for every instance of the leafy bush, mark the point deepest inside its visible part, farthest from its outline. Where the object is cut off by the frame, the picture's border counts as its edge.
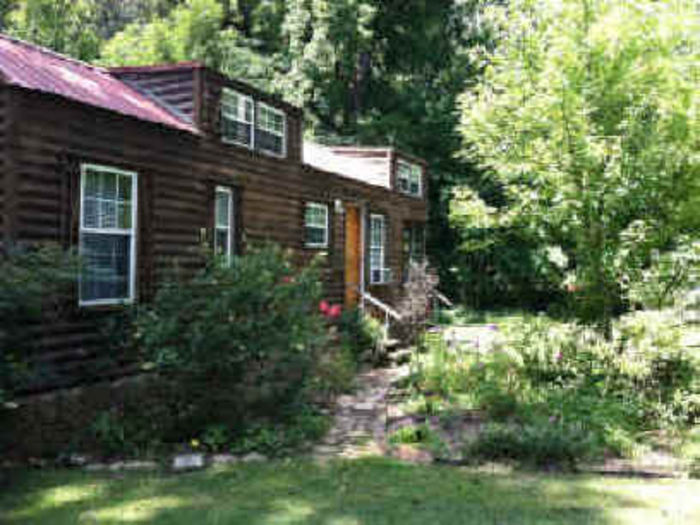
(548, 375)
(302, 426)
(240, 340)
(411, 434)
(35, 283)
(359, 332)
(535, 445)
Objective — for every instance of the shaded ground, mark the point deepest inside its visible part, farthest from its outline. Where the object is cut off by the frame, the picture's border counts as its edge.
(359, 492)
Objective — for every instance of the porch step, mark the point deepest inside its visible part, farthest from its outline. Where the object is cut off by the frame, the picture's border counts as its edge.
(390, 345)
(400, 357)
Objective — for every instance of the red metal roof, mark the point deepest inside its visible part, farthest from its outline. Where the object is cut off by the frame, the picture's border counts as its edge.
(36, 68)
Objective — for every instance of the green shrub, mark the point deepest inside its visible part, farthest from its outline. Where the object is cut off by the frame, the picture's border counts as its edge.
(614, 390)
(288, 434)
(35, 287)
(535, 445)
(359, 332)
(239, 341)
(411, 435)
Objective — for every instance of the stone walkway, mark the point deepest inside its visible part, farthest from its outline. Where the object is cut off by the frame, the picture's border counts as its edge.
(360, 419)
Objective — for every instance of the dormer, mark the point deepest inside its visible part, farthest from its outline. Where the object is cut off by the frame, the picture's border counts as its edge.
(384, 167)
(243, 117)
(224, 110)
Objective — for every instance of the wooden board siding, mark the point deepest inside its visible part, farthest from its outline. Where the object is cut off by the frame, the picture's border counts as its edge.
(172, 88)
(177, 174)
(212, 85)
(4, 107)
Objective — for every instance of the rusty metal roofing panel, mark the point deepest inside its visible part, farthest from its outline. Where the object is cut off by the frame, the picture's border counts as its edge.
(36, 68)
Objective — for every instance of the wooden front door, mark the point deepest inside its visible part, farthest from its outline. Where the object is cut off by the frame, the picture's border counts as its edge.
(353, 256)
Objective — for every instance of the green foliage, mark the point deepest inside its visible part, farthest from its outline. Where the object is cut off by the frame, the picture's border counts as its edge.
(190, 31)
(359, 332)
(66, 26)
(237, 339)
(667, 277)
(587, 119)
(567, 388)
(302, 427)
(35, 287)
(412, 434)
(538, 446)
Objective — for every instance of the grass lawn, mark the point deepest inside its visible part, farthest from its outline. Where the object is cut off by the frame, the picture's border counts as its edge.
(375, 491)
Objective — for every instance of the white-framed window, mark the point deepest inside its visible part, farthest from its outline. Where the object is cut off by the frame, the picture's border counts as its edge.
(378, 274)
(316, 225)
(409, 178)
(223, 223)
(107, 246)
(270, 130)
(236, 118)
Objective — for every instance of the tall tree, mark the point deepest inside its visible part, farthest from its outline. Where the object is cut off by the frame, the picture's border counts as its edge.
(587, 115)
(66, 26)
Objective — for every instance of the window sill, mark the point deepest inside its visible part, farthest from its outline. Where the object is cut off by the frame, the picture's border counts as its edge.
(408, 194)
(232, 142)
(106, 304)
(316, 246)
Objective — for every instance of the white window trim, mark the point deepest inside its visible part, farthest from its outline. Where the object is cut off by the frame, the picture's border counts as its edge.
(283, 134)
(110, 231)
(324, 207)
(230, 227)
(242, 98)
(411, 166)
(382, 269)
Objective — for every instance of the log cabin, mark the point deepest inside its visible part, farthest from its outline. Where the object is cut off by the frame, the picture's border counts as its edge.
(136, 167)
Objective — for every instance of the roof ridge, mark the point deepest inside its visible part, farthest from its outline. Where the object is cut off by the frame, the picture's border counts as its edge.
(51, 52)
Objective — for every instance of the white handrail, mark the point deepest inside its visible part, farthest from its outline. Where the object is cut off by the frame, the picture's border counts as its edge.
(388, 310)
(442, 298)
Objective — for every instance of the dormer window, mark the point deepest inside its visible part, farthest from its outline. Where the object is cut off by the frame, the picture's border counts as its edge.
(270, 130)
(236, 118)
(409, 178)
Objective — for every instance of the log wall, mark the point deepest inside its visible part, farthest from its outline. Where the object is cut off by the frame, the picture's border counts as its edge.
(177, 175)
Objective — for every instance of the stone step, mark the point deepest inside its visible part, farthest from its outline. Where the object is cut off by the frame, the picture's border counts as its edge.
(402, 356)
(391, 345)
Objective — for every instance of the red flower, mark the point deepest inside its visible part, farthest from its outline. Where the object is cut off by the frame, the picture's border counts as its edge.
(323, 306)
(335, 311)
(287, 279)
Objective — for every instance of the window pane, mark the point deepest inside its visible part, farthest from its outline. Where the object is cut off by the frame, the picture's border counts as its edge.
(316, 215)
(236, 131)
(377, 232)
(90, 213)
(315, 235)
(106, 260)
(267, 141)
(223, 200)
(221, 242)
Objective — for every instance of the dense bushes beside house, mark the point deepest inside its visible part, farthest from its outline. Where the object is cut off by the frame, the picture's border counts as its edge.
(35, 286)
(238, 340)
(237, 357)
(557, 393)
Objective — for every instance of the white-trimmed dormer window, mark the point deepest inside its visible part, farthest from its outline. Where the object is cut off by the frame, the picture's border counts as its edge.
(409, 178)
(378, 274)
(270, 130)
(316, 225)
(236, 118)
(223, 223)
(107, 244)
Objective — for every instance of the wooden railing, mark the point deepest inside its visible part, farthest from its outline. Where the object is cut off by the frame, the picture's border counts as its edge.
(388, 312)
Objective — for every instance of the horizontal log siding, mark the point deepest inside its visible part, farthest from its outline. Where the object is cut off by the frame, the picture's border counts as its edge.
(174, 88)
(4, 107)
(177, 175)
